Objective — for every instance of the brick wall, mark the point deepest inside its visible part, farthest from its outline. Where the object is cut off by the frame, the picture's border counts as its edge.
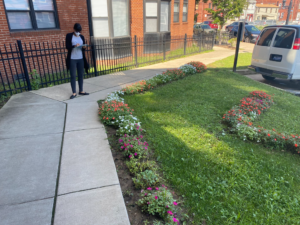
(69, 13)
(136, 18)
(181, 28)
(202, 12)
(295, 8)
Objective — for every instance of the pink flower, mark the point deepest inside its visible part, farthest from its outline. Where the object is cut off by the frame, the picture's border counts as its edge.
(131, 146)
(128, 140)
(149, 188)
(141, 136)
(122, 147)
(130, 156)
(163, 185)
(157, 188)
(142, 190)
(126, 149)
(170, 212)
(175, 203)
(156, 197)
(146, 148)
(167, 206)
(120, 140)
(135, 154)
(125, 135)
(145, 194)
(148, 203)
(175, 220)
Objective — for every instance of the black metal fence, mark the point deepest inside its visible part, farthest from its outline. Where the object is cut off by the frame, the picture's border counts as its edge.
(27, 66)
(222, 38)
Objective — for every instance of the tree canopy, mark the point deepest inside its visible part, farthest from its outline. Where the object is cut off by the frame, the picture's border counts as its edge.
(226, 9)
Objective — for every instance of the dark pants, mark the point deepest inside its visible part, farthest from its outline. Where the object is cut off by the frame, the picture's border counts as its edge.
(79, 65)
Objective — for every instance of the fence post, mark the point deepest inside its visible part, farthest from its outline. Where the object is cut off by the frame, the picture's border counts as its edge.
(94, 56)
(200, 41)
(185, 39)
(24, 65)
(213, 41)
(135, 51)
(164, 48)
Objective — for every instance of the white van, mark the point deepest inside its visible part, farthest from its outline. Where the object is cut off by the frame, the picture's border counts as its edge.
(276, 53)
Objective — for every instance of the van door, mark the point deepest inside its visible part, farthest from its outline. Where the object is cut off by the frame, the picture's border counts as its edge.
(261, 51)
(282, 55)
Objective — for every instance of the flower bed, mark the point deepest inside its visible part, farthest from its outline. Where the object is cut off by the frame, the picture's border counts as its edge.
(240, 119)
(155, 199)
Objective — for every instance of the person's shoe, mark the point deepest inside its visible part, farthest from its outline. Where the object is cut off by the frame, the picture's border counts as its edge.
(73, 96)
(83, 93)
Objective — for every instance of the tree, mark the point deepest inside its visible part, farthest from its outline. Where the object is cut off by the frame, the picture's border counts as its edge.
(226, 9)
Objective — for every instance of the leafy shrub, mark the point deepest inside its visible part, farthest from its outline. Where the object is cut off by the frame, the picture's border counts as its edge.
(36, 80)
(133, 146)
(162, 79)
(147, 178)
(111, 110)
(174, 74)
(232, 42)
(135, 166)
(200, 67)
(188, 69)
(158, 201)
(129, 125)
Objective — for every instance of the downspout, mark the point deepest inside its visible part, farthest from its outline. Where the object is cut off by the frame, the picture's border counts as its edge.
(88, 3)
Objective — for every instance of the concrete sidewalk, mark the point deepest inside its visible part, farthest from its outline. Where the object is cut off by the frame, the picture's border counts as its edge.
(55, 161)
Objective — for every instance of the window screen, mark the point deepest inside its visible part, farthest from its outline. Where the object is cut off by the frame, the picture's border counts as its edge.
(266, 37)
(100, 18)
(176, 12)
(120, 17)
(151, 17)
(184, 12)
(284, 38)
(164, 16)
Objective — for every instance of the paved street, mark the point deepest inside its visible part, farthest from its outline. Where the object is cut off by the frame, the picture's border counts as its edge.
(55, 161)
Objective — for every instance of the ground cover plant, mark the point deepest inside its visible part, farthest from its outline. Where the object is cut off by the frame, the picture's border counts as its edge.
(113, 111)
(222, 178)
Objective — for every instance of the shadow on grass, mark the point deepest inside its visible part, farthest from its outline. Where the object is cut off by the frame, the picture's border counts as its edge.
(224, 180)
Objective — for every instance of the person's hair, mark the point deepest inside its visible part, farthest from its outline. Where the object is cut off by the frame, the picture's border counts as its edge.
(77, 27)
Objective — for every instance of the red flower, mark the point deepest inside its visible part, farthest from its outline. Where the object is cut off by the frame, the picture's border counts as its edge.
(296, 145)
(269, 135)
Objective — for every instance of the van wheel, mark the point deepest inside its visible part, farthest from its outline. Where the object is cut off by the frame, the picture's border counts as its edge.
(268, 77)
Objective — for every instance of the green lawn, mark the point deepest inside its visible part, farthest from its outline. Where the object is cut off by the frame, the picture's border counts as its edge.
(223, 179)
(244, 60)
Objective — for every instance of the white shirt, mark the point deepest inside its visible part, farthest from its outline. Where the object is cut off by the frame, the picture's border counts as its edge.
(76, 52)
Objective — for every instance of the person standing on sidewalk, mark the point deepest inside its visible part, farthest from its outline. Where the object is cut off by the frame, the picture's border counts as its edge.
(76, 59)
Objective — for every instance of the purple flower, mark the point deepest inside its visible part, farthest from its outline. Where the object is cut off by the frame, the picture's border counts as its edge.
(141, 136)
(135, 154)
(170, 212)
(125, 135)
(157, 188)
(156, 197)
(175, 220)
(130, 156)
(149, 188)
(122, 147)
(175, 203)
(145, 194)
(148, 203)
(120, 140)
(146, 148)
(131, 146)
(126, 149)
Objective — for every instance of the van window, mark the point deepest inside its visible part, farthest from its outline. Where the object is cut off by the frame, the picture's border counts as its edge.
(266, 37)
(284, 38)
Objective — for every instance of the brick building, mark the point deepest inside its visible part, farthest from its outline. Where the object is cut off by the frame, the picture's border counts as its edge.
(51, 20)
(200, 9)
(283, 8)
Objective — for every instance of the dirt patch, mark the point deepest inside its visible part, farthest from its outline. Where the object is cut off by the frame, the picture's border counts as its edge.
(130, 194)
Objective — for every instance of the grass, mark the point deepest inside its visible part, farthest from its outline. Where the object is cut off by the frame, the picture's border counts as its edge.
(244, 60)
(223, 179)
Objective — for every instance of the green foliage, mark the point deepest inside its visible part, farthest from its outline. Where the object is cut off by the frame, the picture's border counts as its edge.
(226, 10)
(35, 81)
(147, 178)
(135, 166)
(196, 16)
(224, 179)
(158, 201)
(133, 146)
(232, 42)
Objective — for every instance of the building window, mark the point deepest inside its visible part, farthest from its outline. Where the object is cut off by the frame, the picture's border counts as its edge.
(185, 11)
(176, 12)
(164, 16)
(155, 20)
(31, 14)
(281, 15)
(110, 18)
(196, 6)
(271, 10)
(209, 5)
